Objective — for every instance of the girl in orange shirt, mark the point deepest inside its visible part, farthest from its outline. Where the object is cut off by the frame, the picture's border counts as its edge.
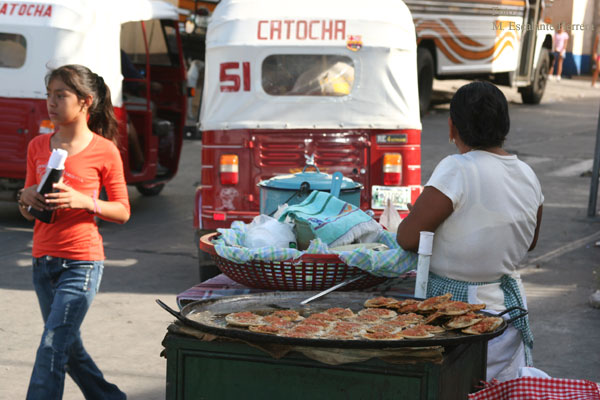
(68, 254)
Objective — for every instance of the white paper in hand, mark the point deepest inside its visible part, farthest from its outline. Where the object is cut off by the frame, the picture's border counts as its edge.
(57, 159)
(54, 171)
(390, 219)
(55, 162)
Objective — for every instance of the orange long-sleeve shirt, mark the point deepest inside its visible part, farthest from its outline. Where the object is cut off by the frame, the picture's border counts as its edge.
(74, 234)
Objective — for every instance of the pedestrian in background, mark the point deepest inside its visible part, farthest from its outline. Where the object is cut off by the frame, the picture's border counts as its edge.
(68, 254)
(485, 207)
(595, 60)
(561, 39)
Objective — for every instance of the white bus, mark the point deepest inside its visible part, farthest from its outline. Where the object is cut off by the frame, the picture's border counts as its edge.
(505, 41)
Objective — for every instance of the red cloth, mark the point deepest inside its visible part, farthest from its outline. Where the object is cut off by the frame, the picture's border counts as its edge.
(531, 388)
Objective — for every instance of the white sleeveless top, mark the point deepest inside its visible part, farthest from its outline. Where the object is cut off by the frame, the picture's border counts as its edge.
(495, 200)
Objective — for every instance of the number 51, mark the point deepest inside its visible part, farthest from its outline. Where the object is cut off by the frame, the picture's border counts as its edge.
(234, 78)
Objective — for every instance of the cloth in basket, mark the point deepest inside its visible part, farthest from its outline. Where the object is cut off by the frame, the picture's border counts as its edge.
(388, 263)
(334, 221)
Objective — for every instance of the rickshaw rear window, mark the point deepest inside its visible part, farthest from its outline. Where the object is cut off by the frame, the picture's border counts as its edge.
(307, 75)
(13, 49)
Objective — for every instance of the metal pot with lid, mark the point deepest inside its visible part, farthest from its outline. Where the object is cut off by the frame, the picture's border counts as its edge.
(294, 188)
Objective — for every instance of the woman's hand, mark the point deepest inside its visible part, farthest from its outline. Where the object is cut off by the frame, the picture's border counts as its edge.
(68, 197)
(30, 197)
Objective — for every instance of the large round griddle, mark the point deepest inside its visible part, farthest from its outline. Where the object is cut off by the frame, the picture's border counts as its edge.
(209, 316)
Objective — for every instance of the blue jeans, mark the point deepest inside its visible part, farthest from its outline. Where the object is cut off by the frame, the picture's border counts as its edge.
(65, 290)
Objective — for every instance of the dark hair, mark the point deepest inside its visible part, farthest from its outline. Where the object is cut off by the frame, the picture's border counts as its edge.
(479, 112)
(84, 82)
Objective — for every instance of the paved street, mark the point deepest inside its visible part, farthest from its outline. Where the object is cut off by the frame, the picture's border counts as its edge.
(154, 255)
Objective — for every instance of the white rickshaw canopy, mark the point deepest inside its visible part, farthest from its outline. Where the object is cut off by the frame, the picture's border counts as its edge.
(60, 32)
(367, 51)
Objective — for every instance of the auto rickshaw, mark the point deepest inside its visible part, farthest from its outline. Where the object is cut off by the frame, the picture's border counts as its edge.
(331, 81)
(104, 36)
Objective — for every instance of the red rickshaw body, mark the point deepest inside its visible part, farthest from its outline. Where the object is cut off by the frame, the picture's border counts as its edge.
(342, 92)
(35, 37)
(264, 154)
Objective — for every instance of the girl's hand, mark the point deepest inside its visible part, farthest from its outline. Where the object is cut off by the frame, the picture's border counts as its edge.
(68, 198)
(30, 197)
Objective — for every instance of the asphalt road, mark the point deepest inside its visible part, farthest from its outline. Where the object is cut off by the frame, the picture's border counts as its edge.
(154, 255)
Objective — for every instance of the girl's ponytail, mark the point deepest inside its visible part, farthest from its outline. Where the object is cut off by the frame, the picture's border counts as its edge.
(102, 116)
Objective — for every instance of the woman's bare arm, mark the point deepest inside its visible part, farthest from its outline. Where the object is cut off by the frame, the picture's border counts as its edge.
(429, 211)
(537, 228)
(68, 197)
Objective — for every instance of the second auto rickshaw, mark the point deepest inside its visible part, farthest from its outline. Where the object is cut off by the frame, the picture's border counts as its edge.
(104, 36)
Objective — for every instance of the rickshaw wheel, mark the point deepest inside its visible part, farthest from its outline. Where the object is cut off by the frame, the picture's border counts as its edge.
(150, 191)
(425, 77)
(206, 265)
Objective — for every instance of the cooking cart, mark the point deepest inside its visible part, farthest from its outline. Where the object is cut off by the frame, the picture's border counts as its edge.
(199, 369)
(207, 359)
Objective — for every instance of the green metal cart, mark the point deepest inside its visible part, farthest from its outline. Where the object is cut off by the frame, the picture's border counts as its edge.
(199, 369)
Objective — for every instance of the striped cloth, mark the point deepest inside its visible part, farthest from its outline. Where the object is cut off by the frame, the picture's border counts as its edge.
(332, 220)
(439, 285)
(387, 263)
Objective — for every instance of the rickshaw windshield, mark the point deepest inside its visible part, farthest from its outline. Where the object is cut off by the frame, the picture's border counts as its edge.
(161, 45)
(307, 75)
(13, 49)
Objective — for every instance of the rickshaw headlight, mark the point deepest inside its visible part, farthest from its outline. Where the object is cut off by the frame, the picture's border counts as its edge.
(229, 169)
(392, 169)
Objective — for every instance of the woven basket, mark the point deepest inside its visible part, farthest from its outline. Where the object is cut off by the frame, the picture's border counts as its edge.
(310, 272)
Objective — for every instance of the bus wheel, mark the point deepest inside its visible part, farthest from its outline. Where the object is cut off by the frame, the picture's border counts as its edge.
(150, 191)
(533, 94)
(425, 74)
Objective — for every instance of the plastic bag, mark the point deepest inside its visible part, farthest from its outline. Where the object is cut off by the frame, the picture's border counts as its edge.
(265, 231)
(390, 219)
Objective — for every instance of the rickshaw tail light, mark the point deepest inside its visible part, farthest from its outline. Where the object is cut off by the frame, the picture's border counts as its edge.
(219, 217)
(392, 169)
(46, 126)
(229, 169)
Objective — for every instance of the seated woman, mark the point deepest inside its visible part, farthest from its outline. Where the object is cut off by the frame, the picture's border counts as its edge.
(485, 207)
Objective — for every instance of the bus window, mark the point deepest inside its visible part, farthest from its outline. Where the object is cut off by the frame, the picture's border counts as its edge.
(307, 75)
(12, 50)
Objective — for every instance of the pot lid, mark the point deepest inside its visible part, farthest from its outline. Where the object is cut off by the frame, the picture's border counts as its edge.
(316, 179)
